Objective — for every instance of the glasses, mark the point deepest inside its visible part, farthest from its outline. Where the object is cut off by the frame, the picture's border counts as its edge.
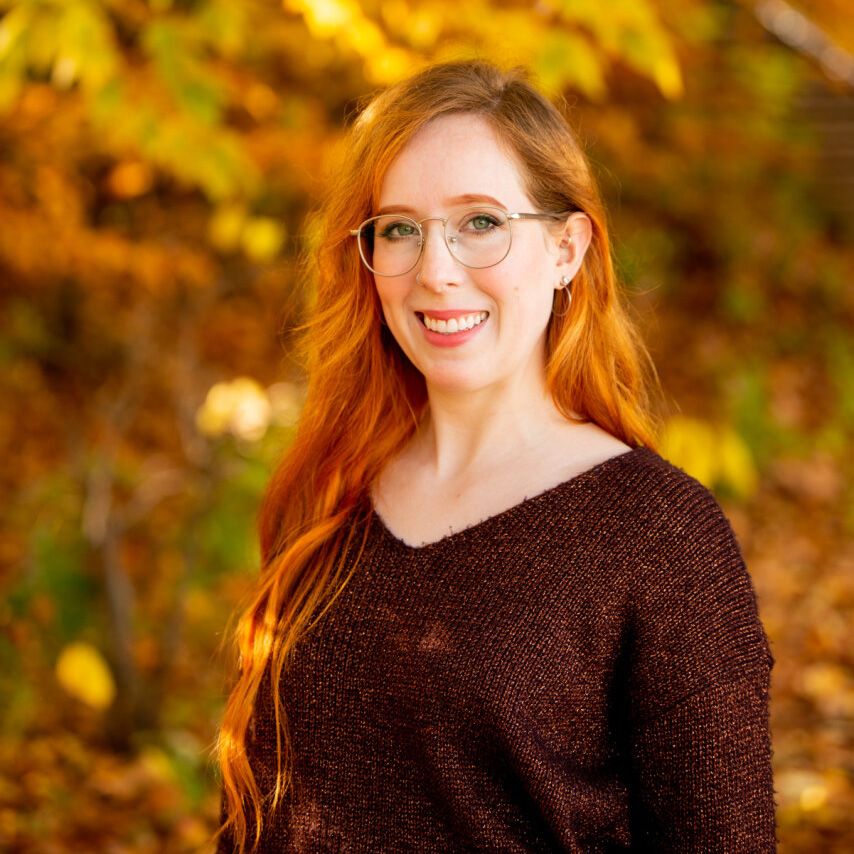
(391, 244)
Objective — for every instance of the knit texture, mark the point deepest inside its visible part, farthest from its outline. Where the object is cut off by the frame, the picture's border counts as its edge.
(584, 672)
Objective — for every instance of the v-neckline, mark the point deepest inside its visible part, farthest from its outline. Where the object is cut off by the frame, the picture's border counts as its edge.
(568, 485)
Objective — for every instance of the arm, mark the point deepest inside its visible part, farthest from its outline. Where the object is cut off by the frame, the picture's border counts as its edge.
(224, 842)
(703, 775)
(700, 746)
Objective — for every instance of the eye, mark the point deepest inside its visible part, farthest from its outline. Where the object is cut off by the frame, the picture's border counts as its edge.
(481, 222)
(398, 230)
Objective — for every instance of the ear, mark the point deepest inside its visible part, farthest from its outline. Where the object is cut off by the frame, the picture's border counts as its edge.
(574, 241)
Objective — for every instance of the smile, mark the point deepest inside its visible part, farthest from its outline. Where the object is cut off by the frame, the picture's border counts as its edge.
(455, 324)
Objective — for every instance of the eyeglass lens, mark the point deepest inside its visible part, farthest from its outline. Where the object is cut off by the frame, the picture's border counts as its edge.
(391, 244)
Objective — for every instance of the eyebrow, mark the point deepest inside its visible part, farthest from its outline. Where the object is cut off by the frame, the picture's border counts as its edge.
(466, 198)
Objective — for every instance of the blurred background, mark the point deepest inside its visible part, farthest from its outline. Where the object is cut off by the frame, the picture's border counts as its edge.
(157, 160)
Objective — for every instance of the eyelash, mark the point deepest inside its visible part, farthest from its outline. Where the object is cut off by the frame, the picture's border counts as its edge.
(490, 220)
(386, 234)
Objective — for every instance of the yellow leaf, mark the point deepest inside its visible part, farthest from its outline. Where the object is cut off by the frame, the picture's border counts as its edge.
(813, 798)
(668, 76)
(423, 27)
(226, 226)
(365, 37)
(252, 410)
(713, 455)
(688, 443)
(324, 18)
(389, 65)
(240, 407)
(214, 416)
(262, 238)
(819, 680)
(83, 673)
(158, 764)
(735, 463)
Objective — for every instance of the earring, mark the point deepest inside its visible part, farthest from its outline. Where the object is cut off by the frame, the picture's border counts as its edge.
(564, 281)
(568, 301)
(418, 278)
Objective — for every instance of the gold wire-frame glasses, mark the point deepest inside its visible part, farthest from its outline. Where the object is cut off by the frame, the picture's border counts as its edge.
(480, 237)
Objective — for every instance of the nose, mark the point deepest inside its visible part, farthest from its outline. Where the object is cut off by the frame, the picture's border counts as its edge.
(437, 266)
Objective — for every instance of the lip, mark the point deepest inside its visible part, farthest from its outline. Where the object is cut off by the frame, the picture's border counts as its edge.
(455, 339)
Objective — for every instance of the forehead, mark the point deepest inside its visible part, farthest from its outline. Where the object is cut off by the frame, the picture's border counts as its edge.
(452, 156)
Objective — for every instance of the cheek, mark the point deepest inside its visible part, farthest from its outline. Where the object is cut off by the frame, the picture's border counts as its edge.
(391, 295)
(392, 298)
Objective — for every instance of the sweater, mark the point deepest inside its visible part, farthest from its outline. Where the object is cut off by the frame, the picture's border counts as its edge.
(583, 672)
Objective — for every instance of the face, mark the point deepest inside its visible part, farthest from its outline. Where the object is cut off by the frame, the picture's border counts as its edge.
(453, 164)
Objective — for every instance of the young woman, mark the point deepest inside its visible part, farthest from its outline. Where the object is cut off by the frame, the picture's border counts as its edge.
(490, 616)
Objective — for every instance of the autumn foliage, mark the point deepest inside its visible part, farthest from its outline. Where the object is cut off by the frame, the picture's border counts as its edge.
(157, 161)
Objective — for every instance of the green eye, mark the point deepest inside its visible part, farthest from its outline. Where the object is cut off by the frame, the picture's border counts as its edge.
(397, 230)
(481, 222)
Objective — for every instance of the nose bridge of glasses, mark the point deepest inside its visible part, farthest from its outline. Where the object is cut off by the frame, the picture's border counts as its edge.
(448, 239)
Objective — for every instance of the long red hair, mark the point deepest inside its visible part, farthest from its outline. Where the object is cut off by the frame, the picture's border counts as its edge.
(365, 399)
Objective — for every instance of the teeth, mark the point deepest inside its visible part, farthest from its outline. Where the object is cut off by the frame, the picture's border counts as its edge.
(455, 324)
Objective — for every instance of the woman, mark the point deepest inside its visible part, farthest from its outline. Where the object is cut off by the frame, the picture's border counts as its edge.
(490, 616)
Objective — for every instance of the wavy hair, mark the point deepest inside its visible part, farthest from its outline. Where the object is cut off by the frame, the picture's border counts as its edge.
(365, 399)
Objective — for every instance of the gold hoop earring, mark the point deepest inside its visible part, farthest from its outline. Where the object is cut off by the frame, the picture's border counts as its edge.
(568, 302)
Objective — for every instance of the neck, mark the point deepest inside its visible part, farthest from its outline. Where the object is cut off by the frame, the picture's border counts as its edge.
(467, 432)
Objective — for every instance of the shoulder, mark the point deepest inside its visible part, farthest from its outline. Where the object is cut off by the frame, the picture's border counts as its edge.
(640, 502)
(657, 525)
(670, 508)
(671, 488)
(684, 537)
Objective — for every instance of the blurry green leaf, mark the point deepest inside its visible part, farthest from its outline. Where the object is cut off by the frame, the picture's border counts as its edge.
(224, 25)
(750, 405)
(58, 572)
(567, 59)
(87, 41)
(174, 50)
(742, 301)
(13, 28)
(632, 32)
(839, 351)
(224, 536)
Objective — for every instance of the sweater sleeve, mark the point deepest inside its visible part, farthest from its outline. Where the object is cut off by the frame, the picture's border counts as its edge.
(700, 747)
(224, 842)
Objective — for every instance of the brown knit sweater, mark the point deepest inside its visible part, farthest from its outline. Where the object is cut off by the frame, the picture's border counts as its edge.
(583, 672)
